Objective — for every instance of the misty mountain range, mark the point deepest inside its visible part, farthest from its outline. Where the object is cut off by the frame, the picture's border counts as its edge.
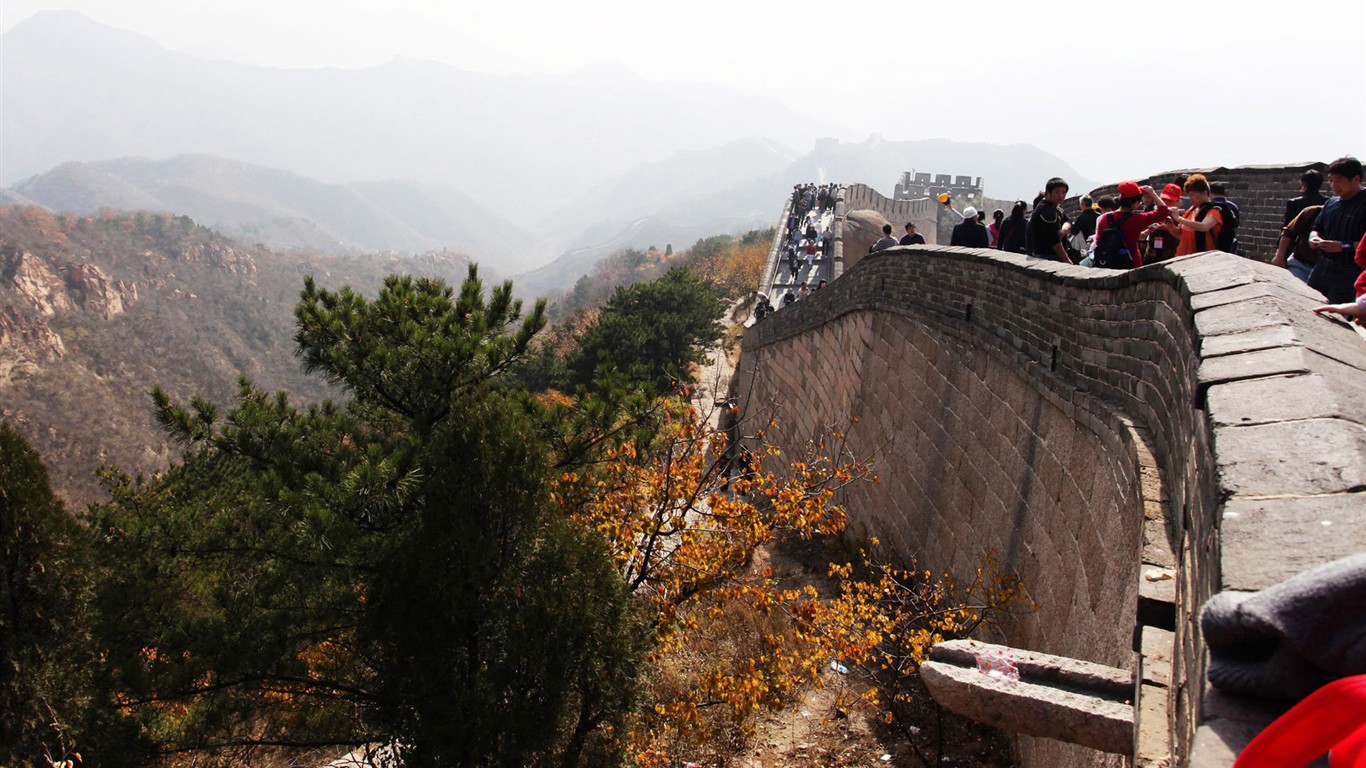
(413, 156)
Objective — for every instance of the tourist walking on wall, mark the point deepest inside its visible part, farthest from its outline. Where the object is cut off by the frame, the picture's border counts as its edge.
(994, 228)
(970, 232)
(1048, 225)
(1013, 229)
(1228, 238)
(912, 237)
(1337, 231)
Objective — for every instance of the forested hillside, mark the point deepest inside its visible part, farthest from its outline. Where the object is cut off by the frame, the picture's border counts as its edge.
(458, 540)
(95, 310)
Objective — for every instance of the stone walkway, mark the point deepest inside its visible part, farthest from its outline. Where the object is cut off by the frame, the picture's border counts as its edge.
(811, 274)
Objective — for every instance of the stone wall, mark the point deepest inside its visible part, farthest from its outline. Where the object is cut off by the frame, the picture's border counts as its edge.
(924, 212)
(1119, 438)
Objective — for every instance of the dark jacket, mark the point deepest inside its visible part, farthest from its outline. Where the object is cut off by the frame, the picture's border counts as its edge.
(1013, 235)
(1294, 205)
(1086, 222)
(971, 234)
(1045, 229)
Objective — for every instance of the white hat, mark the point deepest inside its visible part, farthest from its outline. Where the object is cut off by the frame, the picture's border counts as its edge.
(969, 212)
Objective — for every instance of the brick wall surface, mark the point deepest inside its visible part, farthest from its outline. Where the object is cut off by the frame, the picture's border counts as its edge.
(1092, 427)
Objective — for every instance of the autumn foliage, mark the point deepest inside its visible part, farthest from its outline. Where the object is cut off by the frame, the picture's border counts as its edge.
(685, 517)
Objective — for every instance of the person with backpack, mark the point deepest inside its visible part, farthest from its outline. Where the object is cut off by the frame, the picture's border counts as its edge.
(1201, 223)
(1228, 236)
(1116, 242)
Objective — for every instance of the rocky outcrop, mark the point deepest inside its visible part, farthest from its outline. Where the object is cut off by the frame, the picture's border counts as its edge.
(95, 291)
(228, 259)
(25, 343)
(36, 284)
(32, 291)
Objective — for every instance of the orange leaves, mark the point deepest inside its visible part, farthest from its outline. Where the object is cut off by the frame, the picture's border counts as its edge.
(887, 621)
(684, 517)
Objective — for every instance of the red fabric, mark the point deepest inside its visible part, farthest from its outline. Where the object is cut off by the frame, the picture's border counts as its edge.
(1331, 718)
(1360, 284)
(1350, 752)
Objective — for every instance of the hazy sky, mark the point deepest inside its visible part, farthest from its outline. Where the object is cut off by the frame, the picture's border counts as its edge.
(1115, 89)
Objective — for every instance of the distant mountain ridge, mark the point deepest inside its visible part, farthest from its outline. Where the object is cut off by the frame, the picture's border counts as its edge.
(78, 90)
(755, 199)
(283, 209)
(512, 170)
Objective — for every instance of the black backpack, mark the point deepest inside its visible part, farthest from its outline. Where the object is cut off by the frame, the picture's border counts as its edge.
(1228, 233)
(1111, 251)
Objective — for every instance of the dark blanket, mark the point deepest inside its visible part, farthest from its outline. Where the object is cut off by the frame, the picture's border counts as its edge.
(1287, 640)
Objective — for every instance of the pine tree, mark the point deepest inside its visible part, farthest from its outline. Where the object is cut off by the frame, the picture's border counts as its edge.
(386, 572)
(47, 685)
(651, 332)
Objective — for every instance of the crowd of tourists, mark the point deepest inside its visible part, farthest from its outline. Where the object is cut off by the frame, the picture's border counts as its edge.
(1189, 215)
(808, 239)
(1322, 242)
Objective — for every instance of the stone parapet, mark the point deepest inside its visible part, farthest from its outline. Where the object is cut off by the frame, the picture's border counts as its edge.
(924, 212)
(1128, 442)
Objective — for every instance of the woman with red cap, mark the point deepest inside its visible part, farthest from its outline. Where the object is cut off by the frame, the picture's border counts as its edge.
(1160, 239)
(1129, 219)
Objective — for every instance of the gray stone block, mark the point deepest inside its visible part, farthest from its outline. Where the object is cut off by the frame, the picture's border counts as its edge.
(1030, 709)
(1319, 456)
(1266, 541)
(1287, 398)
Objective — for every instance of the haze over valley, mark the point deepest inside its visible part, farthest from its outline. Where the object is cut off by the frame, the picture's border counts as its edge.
(515, 171)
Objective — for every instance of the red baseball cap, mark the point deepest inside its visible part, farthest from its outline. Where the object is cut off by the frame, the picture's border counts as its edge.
(1129, 189)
